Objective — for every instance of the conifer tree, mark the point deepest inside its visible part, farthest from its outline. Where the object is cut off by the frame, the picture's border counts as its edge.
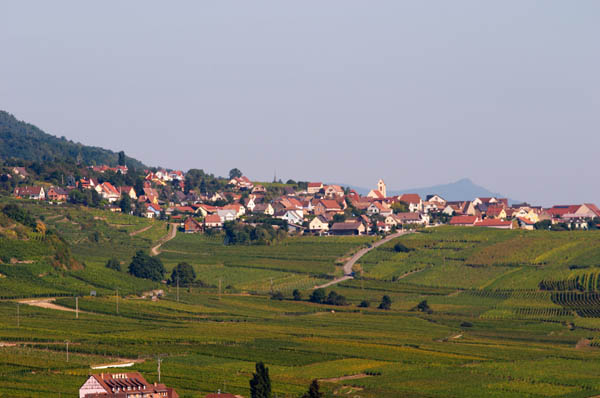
(260, 384)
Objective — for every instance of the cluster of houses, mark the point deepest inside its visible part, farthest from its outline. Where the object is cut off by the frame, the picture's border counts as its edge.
(131, 385)
(317, 208)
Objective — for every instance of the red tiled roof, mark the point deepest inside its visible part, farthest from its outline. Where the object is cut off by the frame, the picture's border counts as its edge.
(526, 220)
(330, 204)
(212, 219)
(463, 220)
(410, 198)
(492, 222)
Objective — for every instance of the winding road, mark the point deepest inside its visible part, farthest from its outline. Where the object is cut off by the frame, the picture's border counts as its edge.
(170, 235)
(350, 263)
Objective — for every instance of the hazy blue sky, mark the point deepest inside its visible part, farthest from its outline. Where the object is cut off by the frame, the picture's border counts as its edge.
(418, 93)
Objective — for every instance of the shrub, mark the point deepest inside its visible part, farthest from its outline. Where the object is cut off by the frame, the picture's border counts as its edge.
(277, 296)
(364, 304)
(297, 295)
(335, 299)
(423, 307)
(386, 303)
(400, 248)
(113, 264)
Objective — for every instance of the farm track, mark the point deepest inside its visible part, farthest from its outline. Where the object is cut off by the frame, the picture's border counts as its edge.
(47, 303)
(134, 233)
(357, 256)
(170, 235)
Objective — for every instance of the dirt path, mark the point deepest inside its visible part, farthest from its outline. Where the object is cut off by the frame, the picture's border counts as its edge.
(47, 303)
(352, 377)
(134, 233)
(170, 235)
(350, 263)
(409, 273)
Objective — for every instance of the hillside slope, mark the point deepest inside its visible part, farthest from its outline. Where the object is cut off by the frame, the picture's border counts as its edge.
(22, 140)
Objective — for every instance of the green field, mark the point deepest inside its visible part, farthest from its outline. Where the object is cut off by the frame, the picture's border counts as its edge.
(513, 314)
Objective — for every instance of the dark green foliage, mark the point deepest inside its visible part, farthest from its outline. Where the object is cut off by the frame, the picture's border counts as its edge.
(297, 295)
(260, 384)
(400, 248)
(122, 159)
(86, 197)
(423, 307)
(466, 324)
(545, 224)
(317, 296)
(243, 234)
(113, 264)
(364, 304)
(277, 296)
(235, 173)
(125, 204)
(19, 214)
(185, 273)
(386, 303)
(144, 266)
(313, 390)
(24, 141)
(335, 299)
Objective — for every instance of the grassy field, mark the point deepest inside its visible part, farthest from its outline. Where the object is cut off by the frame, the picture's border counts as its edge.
(513, 314)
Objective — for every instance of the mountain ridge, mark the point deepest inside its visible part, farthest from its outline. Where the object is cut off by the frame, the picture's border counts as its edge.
(462, 189)
(22, 140)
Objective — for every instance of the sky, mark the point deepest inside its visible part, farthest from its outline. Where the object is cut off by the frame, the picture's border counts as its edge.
(417, 93)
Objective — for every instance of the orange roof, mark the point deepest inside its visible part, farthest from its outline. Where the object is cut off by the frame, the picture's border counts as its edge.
(330, 204)
(410, 198)
(463, 220)
(491, 222)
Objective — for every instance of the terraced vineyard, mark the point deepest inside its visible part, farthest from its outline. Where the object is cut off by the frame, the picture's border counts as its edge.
(508, 314)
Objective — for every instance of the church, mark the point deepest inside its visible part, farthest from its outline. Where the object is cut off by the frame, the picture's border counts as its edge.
(380, 192)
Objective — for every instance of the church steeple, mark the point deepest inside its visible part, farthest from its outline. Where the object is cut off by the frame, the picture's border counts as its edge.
(381, 187)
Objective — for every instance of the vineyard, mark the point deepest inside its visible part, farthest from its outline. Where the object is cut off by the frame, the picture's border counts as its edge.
(509, 313)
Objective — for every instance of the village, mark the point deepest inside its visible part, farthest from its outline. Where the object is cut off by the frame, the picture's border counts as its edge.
(301, 208)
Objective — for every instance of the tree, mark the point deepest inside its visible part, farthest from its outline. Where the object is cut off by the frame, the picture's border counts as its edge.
(260, 384)
(317, 296)
(297, 295)
(386, 303)
(121, 158)
(423, 307)
(113, 264)
(313, 390)
(364, 304)
(144, 266)
(235, 172)
(399, 207)
(185, 273)
(335, 299)
(125, 204)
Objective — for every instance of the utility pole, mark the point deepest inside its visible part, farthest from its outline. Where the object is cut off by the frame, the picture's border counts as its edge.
(76, 307)
(159, 360)
(18, 316)
(117, 301)
(67, 341)
(219, 289)
(177, 287)
(271, 285)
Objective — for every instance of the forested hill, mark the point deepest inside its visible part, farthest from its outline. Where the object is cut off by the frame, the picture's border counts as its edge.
(22, 140)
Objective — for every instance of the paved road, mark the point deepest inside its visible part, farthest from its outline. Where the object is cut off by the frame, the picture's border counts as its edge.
(170, 235)
(350, 263)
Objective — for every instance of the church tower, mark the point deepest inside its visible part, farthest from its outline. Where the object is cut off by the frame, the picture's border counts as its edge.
(381, 188)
